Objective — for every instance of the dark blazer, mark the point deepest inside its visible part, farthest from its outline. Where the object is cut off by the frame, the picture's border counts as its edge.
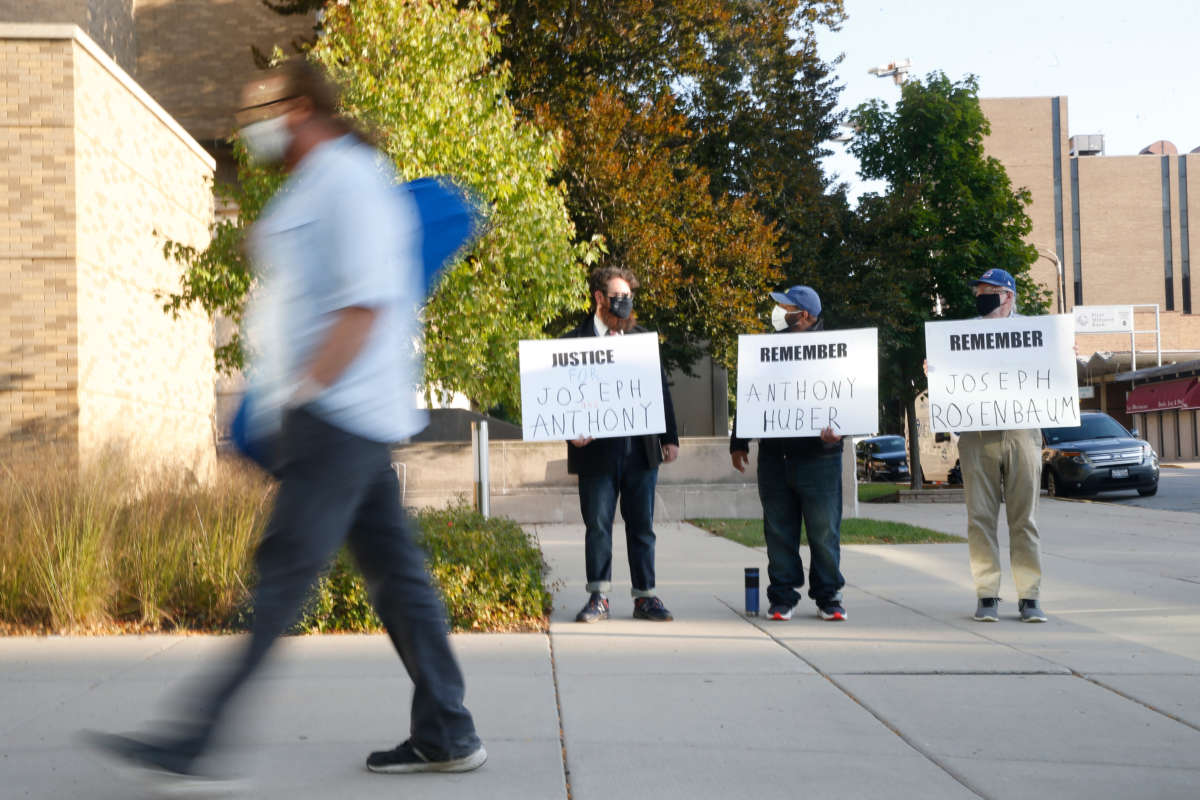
(604, 455)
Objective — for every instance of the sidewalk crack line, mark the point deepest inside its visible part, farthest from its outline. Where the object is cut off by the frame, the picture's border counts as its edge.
(562, 733)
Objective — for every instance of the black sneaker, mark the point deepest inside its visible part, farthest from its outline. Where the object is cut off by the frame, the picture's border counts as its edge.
(651, 608)
(407, 758)
(988, 610)
(832, 611)
(1030, 611)
(159, 764)
(595, 610)
(780, 612)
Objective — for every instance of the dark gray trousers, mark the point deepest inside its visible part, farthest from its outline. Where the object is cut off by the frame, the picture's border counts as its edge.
(333, 486)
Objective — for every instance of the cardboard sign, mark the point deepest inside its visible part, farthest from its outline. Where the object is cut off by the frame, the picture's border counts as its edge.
(1002, 374)
(602, 386)
(797, 384)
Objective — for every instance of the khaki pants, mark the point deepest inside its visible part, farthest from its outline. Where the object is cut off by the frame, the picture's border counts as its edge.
(1003, 465)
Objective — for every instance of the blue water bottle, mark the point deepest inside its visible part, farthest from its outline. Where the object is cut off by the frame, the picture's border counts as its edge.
(751, 591)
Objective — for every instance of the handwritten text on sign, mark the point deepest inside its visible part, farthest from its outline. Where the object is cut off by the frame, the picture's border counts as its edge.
(599, 387)
(797, 384)
(1002, 374)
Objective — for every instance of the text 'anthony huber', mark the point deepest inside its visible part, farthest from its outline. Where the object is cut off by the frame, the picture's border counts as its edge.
(792, 405)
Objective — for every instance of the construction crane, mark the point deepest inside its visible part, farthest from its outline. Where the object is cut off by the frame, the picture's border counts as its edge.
(897, 70)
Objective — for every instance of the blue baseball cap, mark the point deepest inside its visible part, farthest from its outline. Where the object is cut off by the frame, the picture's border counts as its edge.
(802, 297)
(997, 277)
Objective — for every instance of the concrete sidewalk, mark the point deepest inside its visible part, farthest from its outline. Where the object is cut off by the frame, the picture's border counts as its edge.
(908, 699)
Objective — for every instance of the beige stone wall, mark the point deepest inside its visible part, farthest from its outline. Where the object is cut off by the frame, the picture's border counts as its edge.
(144, 378)
(108, 22)
(93, 176)
(38, 335)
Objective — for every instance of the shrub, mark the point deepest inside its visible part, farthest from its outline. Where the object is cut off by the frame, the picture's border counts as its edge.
(488, 571)
(103, 547)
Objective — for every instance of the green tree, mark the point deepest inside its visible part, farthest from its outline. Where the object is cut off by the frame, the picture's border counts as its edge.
(728, 95)
(677, 116)
(422, 76)
(949, 213)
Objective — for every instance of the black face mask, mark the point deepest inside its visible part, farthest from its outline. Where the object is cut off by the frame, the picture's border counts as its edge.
(987, 303)
(621, 306)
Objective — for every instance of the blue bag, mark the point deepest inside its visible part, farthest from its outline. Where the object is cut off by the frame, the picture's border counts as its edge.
(239, 433)
(450, 220)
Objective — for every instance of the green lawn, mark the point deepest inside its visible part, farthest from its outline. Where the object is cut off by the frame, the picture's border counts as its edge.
(872, 491)
(854, 531)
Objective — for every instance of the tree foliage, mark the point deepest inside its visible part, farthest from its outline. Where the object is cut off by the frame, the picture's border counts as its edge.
(949, 213)
(422, 75)
(692, 133)
(692, 139)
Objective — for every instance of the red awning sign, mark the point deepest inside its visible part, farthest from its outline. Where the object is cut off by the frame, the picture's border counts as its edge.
(1164, 396)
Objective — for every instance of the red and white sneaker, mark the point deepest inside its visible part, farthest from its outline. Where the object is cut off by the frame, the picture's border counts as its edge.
(832, 611)
(780, 612)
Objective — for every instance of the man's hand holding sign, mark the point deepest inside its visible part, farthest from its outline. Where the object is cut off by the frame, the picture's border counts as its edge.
(821, 383)
(591, 388)
(1002, 374)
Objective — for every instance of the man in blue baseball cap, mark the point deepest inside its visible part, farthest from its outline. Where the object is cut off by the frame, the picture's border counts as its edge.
(995, 293)
(800, 486)
(1002, 465)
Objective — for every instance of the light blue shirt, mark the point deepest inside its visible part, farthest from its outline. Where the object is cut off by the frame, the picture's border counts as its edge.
(337, 235)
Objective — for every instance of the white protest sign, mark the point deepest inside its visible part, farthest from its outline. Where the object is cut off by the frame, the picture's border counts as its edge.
(1002, 374)
(601, 387)
(797, 384)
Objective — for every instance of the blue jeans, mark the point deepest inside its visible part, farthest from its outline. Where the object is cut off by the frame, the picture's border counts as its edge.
(598, 503)
(809, 490)
(335, 487)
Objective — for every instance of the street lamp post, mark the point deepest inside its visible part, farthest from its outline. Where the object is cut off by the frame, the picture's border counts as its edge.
(1050, 254)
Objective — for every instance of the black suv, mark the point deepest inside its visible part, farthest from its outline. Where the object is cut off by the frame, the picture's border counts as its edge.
(1097, 456)
(882, 457)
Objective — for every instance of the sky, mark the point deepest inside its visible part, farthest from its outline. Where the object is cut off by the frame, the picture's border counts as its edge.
(1122, 66)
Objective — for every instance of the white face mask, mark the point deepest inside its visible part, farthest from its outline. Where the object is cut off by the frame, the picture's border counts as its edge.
(779, 318)
(267, 141)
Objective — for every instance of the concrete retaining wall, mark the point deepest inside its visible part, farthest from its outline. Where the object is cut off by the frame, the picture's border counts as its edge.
(529, 480)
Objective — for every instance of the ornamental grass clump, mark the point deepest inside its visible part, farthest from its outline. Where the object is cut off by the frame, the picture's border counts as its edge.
(102, 546)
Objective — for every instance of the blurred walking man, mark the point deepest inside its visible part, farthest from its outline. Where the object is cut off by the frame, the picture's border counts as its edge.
(625, 466)
(333, 324)
(1002, 465)
(800, 485)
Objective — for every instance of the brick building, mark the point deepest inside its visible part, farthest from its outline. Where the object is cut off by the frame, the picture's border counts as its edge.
(115, 119)
(93, 176)
(1119, 227)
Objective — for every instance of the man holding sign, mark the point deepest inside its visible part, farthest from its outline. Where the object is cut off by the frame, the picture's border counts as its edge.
(1000, 463)
(619, 466)
(799, 476)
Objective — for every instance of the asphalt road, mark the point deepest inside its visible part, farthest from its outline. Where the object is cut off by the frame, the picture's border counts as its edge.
(1178, 490)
